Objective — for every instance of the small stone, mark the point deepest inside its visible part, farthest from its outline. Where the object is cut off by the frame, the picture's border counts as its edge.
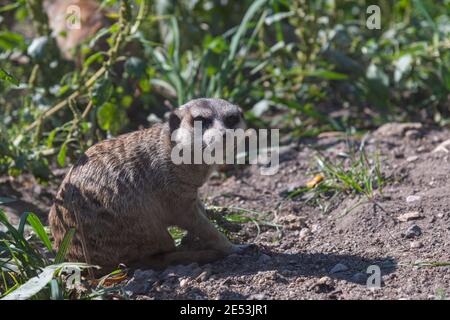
(291, 221)
(184, 283)
(304, 233)
(204, 276)
(422, 149)
(413, 231)
(413, 215)
(412, 198)
(257, 296)
(323, 285)
(412, 158)
(416, 244)
(340, 267)
(443, 147)
(324, 280)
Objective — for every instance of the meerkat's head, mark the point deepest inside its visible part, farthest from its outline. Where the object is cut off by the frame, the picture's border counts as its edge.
(205, 122)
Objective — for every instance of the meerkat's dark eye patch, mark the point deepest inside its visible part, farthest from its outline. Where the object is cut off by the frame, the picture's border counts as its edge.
(206, 122)
(231, 121)
(174, 121)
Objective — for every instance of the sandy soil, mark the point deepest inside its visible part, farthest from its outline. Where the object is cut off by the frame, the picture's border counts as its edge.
(316, 254)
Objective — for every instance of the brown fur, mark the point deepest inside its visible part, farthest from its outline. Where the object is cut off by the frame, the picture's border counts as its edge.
(92, 19)
(126, 192)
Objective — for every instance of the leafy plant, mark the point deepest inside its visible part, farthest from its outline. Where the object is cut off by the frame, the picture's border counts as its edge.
(356, 173)
(27, 268)
(218, 71)
(301, 66)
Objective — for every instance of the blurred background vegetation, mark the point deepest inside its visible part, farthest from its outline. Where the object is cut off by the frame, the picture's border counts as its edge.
(302, 66)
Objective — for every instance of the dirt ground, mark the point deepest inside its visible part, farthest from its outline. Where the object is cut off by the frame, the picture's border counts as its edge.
(316, 255)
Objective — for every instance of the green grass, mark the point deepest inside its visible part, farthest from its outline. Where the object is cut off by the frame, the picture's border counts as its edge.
(222, 215)
(353, 173)
(177, 234)
(229, 220)
(288, 64)
(29, 267)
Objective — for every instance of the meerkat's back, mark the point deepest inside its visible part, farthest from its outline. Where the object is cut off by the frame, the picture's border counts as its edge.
(106, 190)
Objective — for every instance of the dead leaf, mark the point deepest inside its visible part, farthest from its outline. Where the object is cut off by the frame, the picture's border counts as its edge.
(314, 181)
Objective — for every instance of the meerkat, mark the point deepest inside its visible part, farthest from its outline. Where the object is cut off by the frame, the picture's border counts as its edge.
(124, 193)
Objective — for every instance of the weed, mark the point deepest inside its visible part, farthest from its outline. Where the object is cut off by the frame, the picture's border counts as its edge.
(30, 269)
(354, 173)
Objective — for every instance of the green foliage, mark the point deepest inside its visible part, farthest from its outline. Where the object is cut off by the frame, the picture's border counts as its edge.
(303, 66)
(352, 173)
(30, 269)
(8, 77)
(26, 269)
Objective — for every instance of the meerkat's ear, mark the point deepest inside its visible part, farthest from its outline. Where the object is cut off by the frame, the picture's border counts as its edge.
(174, 120)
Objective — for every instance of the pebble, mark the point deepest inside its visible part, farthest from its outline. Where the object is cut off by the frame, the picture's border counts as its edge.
(443, 147)
(291, 221)
(257, 296)
(324, 284)
(184, 283)
(413, 231)
(410, 199)
(204, 276)
(340, 267)
(416, 244)
(304, 233)
(412, 158)
(413, 215)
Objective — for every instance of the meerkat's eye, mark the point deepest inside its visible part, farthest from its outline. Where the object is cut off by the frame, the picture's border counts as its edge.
(205, 121)
(231, 121)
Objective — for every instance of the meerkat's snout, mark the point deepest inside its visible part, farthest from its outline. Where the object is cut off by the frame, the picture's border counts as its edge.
(213, 127)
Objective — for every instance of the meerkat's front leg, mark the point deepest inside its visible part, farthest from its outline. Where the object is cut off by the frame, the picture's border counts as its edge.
(199, 226)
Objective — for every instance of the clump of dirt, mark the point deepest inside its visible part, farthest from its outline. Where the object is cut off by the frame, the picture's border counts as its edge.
(314, 253)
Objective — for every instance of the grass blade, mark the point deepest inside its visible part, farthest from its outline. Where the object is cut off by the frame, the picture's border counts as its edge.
(34, 221)
(67, 240)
